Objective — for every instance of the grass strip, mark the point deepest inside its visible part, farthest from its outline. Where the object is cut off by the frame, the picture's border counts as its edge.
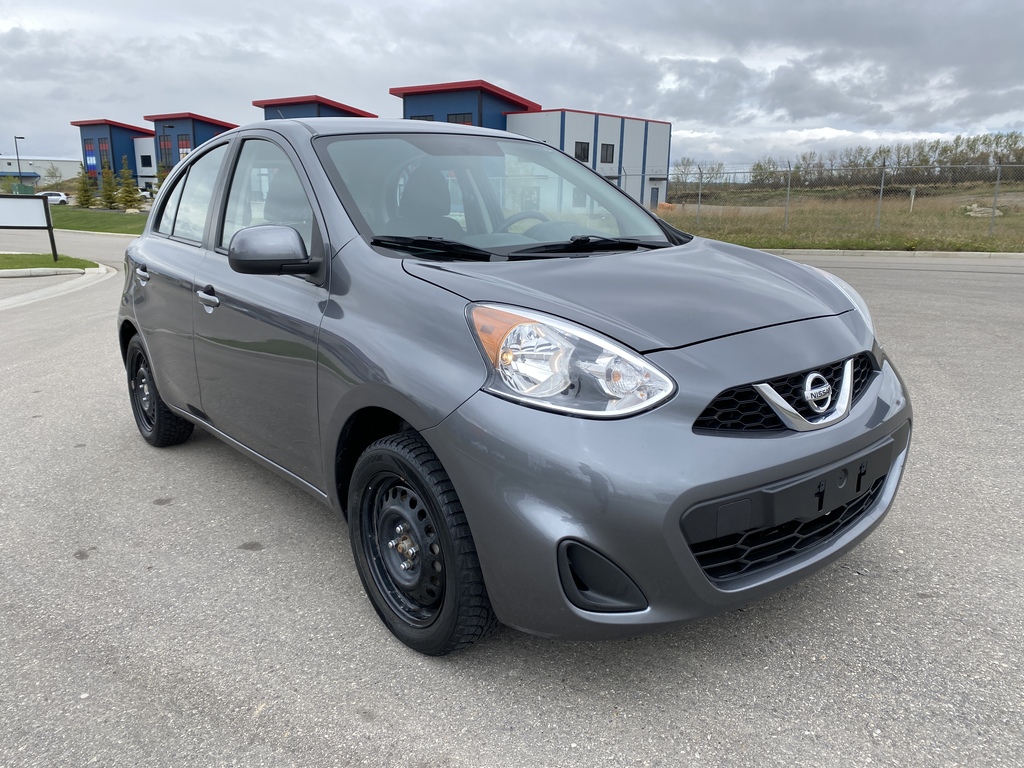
(89, 220)
(42, 260)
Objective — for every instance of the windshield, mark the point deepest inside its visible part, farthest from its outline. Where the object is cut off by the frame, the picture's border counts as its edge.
(498, 195)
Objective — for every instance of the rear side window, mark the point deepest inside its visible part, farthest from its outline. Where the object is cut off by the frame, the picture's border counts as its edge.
(188, 206)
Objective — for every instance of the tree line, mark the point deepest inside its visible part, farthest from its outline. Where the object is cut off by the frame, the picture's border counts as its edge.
(958, 160)
(120, 193)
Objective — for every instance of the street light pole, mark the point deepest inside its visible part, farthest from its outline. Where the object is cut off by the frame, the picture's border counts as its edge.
(18, 154)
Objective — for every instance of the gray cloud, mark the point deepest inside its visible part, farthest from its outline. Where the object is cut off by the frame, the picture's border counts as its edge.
(737, 79)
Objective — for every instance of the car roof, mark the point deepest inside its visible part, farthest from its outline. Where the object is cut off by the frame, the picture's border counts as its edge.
(328, 126)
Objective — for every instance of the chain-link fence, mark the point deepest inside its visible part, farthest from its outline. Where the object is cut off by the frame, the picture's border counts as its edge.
(959, 208)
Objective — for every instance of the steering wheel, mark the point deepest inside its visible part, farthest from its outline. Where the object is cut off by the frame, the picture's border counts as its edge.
(515, 218)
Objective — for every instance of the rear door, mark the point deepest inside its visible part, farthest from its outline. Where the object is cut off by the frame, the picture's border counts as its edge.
(162, 266)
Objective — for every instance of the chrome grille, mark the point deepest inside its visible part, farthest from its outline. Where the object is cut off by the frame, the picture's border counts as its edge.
(741, 409)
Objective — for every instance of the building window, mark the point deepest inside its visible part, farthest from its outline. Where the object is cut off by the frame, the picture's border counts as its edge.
(462, 118)
(607, 153)
(90, 156)
(427, 118)
(105, 154)
(146, 160)
(166, 161)
(583, 151)
(184, 145)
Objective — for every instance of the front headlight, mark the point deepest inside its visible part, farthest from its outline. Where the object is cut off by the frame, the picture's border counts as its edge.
(550, 363)
(851, 294)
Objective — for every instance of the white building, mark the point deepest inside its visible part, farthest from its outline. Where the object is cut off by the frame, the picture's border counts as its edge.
(145, 154)
(629, 151)
(36, 170)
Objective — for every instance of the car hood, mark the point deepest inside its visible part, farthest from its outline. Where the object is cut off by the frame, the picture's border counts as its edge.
(650, 300)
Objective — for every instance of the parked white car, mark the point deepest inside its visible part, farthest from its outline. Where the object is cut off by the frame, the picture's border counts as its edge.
(54, 198)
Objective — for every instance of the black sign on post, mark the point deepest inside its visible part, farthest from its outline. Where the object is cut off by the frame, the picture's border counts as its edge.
(27, 212)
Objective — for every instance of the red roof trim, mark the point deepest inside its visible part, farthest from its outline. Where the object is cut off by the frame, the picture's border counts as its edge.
(585, 112)
(263, 103)
(466, 85)
(187, 116)
(137, 129)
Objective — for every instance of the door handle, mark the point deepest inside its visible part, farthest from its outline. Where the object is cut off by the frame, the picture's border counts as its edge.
(207, 298)
(142, 274)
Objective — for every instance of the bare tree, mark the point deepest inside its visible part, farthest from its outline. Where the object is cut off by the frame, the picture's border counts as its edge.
(684, 169)
(52, 177)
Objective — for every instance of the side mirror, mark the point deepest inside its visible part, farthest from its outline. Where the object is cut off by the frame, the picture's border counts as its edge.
(270, 250)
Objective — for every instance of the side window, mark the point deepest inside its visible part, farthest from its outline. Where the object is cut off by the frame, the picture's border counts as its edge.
(265, 189)
(165, 224)
(185, 212)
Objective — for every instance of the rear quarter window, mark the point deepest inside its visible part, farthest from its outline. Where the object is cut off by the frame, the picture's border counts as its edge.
(187, 209)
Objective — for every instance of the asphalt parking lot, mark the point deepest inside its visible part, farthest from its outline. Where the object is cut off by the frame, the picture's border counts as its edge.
(187, 607)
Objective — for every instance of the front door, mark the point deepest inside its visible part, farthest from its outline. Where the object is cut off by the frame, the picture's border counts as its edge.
(256, 335)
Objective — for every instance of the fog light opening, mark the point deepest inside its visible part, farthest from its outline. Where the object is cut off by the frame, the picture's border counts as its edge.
(592, 582)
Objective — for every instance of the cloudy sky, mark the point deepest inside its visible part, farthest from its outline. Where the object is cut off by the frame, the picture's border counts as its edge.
(738, 79)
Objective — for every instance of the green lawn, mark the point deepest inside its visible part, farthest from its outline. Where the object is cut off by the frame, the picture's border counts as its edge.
(89, 220)
(45, 260)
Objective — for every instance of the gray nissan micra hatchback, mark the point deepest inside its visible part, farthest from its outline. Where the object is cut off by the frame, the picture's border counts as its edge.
(533, 401)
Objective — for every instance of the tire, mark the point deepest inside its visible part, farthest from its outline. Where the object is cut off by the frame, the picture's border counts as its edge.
(432, 597)
(157, 424)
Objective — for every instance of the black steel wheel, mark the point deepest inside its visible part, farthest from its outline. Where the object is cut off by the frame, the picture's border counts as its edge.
(413, 548)
(158, 425)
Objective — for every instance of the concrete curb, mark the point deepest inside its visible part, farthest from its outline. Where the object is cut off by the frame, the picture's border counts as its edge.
(103, 234)
(40, 272)
(797, 252)
(50, 271)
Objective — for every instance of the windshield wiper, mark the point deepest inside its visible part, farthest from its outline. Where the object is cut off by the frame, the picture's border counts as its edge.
(435, 245)
(591, 244)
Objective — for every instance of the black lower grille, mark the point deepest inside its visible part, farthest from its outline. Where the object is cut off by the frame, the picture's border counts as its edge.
(742, 409)
(741, 554)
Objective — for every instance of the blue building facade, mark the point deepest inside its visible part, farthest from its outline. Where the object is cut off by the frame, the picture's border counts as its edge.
(106, 142)
(178, 133)
(307, 106)
(469, 102)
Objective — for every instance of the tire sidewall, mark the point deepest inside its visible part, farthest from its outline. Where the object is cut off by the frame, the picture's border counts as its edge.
(374, 467)
(135, 354)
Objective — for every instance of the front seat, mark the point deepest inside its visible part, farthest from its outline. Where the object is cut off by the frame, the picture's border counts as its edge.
(425, 204)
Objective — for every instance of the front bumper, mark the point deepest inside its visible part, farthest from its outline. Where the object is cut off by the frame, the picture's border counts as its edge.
(644, 492)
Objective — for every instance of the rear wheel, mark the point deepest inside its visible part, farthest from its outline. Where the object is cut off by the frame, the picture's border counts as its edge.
(413, 548)
(158, 425)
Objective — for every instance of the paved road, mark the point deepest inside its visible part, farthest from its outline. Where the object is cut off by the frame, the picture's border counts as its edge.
(186, 607)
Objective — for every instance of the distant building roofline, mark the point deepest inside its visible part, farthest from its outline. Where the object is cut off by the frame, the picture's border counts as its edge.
(313, 99)
(116, 124)
(466, 85)
(187, 116)
(588, 112)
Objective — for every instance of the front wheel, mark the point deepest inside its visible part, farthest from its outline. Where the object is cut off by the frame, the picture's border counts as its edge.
(158, 425)
(413, 548)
